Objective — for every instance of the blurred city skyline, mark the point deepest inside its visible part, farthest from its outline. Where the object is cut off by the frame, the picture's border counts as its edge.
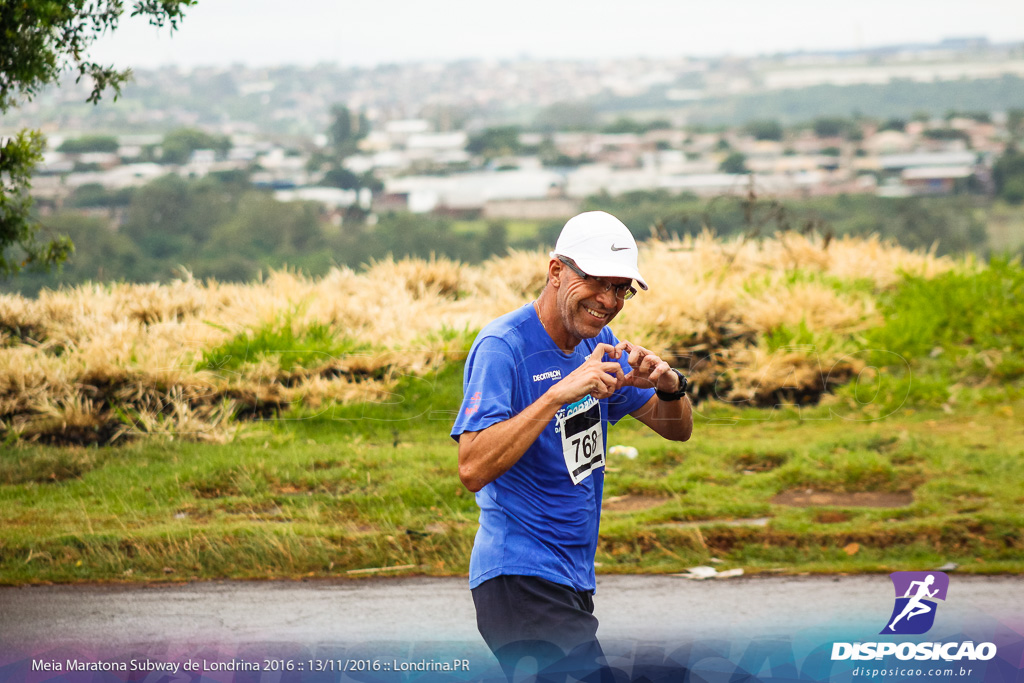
(306, 32)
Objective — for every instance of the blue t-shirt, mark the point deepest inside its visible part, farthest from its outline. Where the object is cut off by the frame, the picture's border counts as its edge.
(541, 517)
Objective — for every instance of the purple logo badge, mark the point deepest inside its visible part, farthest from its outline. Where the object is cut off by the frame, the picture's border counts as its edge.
(916, 592)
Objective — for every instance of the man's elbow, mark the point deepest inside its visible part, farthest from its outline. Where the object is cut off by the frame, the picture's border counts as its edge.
(680, 431)
(468, 474)
(470, 479)
(684, 427)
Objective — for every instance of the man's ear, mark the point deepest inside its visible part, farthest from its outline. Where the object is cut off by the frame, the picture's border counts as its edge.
(554, 271)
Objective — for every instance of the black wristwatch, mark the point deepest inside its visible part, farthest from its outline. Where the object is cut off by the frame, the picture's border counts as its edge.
(673, 395)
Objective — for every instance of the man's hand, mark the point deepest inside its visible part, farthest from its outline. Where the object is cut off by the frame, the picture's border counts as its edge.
(671, 419)
(648, 370)
(597, 377)
(486, 455)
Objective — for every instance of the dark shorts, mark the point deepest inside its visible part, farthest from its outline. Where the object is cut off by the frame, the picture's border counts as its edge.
(552, 625)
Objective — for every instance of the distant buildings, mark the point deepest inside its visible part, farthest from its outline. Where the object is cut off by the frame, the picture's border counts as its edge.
(423, 116)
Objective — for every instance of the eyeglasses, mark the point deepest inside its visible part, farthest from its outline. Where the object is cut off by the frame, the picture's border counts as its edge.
(624, 292)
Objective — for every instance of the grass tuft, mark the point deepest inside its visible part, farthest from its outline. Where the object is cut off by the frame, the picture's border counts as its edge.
(314, 345)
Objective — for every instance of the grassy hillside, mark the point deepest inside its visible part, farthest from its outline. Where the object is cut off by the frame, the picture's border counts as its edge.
(754, 321)
(858, 409)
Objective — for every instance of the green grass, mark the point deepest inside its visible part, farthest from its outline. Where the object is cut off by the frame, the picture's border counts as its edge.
(974, 321)
(310, 347)
(328, 491)
(375, 486)
(964, 472)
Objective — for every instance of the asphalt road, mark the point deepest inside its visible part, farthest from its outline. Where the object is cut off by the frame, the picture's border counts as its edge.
(311, 613)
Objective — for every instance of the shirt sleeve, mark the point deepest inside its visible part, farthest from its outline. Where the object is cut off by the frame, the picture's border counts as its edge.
(488, 387)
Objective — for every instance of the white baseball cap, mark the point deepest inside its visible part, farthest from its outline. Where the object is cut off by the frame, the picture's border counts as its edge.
(600, 245)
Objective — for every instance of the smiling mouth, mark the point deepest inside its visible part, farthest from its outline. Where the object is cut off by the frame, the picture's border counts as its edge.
(596, 314)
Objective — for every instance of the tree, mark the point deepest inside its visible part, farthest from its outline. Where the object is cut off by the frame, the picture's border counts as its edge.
(178, 145)
(495, 142)
(39, 41)
(832, 126)
(625, 124)
(340, 177)
(265, 231)
(495, 241)
(734, 163)
(1008, 175)
(170, 218)
(919, 224)
(947, 134)
(102, 254)
(765, 129)
(896, 124)
(89, 143)
(1015, 121)
(1013, 190)
(18, 156)
(94, 195)
(346, 131)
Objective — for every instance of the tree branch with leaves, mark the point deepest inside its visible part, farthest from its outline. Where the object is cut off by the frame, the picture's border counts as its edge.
(40, 40)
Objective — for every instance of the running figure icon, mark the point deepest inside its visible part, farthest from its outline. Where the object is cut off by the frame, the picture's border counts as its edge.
(914, 606)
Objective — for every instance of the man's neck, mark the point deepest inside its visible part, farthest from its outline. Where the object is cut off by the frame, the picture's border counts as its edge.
(547, 311)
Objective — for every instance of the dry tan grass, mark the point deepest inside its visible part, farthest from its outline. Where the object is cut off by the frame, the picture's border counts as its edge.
(121, 359)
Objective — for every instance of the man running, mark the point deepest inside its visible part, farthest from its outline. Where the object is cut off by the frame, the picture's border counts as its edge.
(541, 386)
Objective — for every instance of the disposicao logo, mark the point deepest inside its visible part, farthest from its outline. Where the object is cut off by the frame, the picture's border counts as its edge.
(916, 593)
(914, 614)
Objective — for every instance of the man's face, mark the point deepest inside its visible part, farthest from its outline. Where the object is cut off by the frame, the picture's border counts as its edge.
(584, 305)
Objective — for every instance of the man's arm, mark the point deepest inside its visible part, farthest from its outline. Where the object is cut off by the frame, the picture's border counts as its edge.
(489, 453)
(486, 455)
(672, 420)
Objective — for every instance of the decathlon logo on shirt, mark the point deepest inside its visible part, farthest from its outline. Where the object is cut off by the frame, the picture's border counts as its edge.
(913, 614)
(554, 374)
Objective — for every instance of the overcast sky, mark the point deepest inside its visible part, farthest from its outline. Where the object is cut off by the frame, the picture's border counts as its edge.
(367, 32)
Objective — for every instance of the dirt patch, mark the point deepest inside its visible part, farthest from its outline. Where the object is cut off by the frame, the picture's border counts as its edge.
(326, 464)
(213, 489)
(758, 462)
(193, 513)
(632, 503)
(96, 431)
(247, 507)
(292, 490)
(969, 538)
(50, 467)
(831, 516)
(758, 521)
(860, 499)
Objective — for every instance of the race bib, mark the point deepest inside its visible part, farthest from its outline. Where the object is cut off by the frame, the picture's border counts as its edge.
(582, 438)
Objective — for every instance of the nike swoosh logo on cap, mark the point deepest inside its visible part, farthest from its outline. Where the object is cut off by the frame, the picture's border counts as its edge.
(615, 248)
